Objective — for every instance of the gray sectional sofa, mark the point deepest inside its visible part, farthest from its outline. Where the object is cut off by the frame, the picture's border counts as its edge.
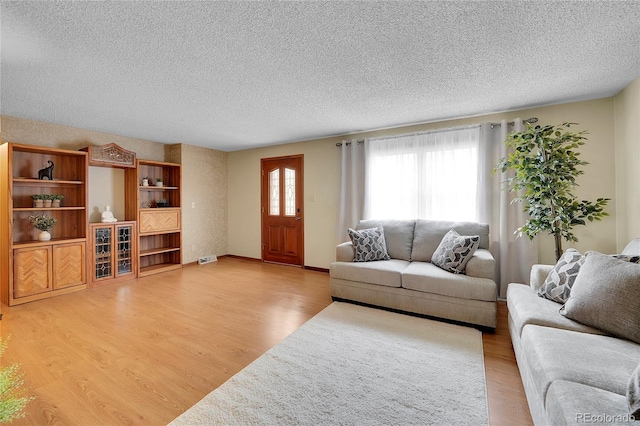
(572, 373)
(409, 282)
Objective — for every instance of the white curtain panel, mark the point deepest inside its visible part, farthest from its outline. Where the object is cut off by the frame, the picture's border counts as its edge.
(427, 175)
(514, 254)
(351, 188)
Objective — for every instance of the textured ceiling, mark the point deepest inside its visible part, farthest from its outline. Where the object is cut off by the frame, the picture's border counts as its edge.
(235, 75)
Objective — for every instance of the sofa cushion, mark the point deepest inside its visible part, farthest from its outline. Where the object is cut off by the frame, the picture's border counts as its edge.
(481, 265)
(369, 244)
(427, 277)
(397, 233)
(454, 251)
(604, 362)
(606, 295)
(382, 272)
(525, 307)
(557, 286)
(429, 233)
(633, 393)
(569, 403)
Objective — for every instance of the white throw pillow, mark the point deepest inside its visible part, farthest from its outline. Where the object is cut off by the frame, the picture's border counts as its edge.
(369, 244)
(454, 251)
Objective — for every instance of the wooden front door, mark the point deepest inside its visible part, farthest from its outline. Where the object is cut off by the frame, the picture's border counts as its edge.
(282, 210)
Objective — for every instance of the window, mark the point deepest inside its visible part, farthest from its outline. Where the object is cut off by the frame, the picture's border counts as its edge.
(430, 175)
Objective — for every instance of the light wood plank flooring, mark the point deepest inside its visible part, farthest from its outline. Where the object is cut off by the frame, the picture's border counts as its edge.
(143, 351)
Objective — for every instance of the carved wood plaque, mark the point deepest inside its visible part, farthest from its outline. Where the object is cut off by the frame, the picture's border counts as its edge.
(110, 155)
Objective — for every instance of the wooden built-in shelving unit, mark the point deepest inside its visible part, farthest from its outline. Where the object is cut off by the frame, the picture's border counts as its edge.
(159, 228)
(35, 269)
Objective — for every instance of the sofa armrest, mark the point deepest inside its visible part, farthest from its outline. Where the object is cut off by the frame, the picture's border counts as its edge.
(481, 265)
(345, 252)
(539, 274)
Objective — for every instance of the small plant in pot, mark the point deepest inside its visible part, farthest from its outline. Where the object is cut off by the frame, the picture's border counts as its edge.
(47, 200)
(38, 201)
(56, 200)
(43, 223)
(162, 203)
(159, 182)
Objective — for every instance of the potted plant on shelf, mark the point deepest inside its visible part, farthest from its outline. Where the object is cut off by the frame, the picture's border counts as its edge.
(159, 182)
(38, 201)
(545, 164)
(43, 223)
(162, 203)
(57, 198)
(47, 200)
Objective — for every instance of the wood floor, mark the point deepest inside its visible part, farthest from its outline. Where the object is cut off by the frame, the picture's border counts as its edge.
(143, 351)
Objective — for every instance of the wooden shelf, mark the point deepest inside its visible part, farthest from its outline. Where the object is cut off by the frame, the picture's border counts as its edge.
(158, 250)
(157, 188)
(39, 209)
(53, 241)
(45, 182)
(156, 269)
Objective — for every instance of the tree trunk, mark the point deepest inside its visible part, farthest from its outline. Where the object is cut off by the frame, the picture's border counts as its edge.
(558, 239)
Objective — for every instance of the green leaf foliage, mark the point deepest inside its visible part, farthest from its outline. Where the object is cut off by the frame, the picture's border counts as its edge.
(12, 391)
(545, 163)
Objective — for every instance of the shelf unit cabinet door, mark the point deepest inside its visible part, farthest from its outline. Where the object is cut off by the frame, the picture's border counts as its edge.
(125, 250)
(159, 220)
(32, 271)
(102, 246)
(69, 265)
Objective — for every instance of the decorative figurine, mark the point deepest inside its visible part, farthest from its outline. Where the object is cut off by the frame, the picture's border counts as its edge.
(47, 172)
(107, 215)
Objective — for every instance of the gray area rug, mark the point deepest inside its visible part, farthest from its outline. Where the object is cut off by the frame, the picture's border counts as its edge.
(352, 365)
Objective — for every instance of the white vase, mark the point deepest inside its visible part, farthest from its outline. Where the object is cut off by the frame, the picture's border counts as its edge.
(44, 236)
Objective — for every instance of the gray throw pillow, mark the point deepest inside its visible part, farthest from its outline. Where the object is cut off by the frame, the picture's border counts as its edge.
(557, 286)
(369, 244)
(454, 251)
(633, 393)
(606, 295)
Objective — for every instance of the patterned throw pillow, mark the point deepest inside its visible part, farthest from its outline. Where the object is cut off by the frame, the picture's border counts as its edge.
(557, 286)
(369, 244)
(454, 251)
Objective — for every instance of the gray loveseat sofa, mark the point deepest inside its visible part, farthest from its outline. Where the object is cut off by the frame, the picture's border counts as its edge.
(572, 373)
(409, 282)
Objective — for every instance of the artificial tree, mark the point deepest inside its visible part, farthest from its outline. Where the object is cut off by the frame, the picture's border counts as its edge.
(545, 163)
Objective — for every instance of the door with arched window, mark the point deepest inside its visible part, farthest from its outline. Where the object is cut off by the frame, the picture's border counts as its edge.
(282, 210)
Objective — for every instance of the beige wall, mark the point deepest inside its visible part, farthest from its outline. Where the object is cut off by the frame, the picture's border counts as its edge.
(322, 182)
(204, 228)
(226, 186)
(204, 202)
(627, 131)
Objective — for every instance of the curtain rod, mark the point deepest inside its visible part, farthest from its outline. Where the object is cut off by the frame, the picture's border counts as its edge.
(349, 143)
(493, 125)
(511, 123)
